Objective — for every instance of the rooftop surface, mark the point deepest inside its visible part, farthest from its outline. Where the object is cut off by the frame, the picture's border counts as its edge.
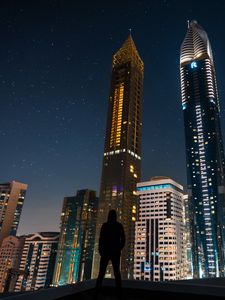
(132, 290)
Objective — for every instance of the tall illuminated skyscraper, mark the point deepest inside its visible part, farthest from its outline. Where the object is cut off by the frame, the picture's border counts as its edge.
(77, 236)
(12, 196)
(204, 153)
(122, 157)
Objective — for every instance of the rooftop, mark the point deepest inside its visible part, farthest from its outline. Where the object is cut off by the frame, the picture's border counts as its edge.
(132, 290)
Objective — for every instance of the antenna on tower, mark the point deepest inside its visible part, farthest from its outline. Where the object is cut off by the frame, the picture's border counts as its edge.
(188, 22)
(130, 30)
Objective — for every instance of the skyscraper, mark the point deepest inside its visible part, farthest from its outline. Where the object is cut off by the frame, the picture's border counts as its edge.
(187, 237)
(159, 232)
(10, 256)
(77, 236)
(12, 196)
(121, 168)
(37, 262)
(204, 153)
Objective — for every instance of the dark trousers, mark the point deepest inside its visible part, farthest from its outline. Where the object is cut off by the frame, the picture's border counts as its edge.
(115, 259)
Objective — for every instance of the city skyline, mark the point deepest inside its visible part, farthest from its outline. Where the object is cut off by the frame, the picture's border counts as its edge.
(42, 176)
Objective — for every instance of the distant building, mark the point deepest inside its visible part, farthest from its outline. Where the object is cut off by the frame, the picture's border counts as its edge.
(10, 256)
(121, 169)
(37, 262)
(159, 232)
(77, 236)
(204, 153)
(12, 196)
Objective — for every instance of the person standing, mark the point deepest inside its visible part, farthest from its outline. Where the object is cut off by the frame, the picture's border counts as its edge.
(111, 242)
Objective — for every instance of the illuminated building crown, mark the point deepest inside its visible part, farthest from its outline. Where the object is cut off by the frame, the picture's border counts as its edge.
(128, 52)
(196, 44)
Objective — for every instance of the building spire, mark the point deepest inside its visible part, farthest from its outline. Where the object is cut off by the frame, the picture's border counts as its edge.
(128, 52)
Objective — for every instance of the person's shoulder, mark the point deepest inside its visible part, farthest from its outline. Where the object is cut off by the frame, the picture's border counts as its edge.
(103, 228)
(119, 224)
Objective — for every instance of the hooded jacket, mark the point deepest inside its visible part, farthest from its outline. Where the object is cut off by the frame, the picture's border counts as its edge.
(112, 236)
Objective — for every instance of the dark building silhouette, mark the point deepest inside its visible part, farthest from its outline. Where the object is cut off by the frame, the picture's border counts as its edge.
(77, 236)
(204, 153)
(121, 168)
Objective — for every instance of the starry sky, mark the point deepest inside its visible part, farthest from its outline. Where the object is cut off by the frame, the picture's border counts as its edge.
(55, 67)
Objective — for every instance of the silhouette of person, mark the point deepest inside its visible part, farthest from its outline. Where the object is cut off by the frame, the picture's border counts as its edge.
(111, 242)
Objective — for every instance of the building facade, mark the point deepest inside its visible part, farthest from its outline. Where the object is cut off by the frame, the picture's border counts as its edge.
(187, 238)
(204, 153)
(10, 256)
(38, 261)
(160, 251)
(121, 168)
(77, 236)
(12, 195)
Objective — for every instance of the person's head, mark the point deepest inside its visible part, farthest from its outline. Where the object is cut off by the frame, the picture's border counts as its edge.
(112, 216)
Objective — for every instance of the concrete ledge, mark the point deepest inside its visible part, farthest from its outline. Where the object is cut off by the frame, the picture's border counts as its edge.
(206, 287)
(53, 293)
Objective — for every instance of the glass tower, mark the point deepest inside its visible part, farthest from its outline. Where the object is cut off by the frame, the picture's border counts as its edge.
(77, 236)
(122, 156)
(204, 153)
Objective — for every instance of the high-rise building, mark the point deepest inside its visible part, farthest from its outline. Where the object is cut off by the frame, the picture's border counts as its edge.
(204, 153)
(38, 261)
(12, 196)
(160, 252)
(122, 157)
(10, 256)
(187, 238)
(77, 236)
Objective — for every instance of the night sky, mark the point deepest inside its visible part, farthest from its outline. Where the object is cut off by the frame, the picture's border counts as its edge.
(55, 67)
